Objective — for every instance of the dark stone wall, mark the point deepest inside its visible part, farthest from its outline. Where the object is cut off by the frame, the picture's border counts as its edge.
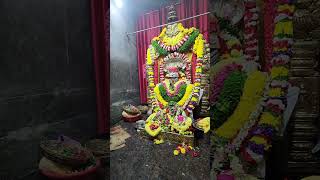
(46, 78)
(124, 85)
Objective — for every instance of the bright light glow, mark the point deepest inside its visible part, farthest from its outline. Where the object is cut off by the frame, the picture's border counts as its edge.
(112, 9)
(119, 3)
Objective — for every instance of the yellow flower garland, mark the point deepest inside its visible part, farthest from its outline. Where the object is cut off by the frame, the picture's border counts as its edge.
(269, 119)
(252, 93)
(279, 71)
(162, 34)
(149, 61)
(152, 133)
(149, 58)
(284, 28)
(149, 122)
(198, 47)
(159, 97)
(182, 101)
(182, 128)
(221, 64)
(172, 41)
(186, 96)
(204, 124)
(286, 7)
(260, 140)
(276, 92)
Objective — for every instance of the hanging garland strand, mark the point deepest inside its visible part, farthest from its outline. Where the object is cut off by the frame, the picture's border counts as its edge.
(270, 120)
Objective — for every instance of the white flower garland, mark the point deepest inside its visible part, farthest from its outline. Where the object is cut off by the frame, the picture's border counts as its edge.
(251, 22)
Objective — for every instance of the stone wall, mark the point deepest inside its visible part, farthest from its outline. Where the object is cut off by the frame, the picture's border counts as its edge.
(47, 81)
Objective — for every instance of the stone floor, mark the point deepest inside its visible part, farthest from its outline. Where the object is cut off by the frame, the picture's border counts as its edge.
(141, 159)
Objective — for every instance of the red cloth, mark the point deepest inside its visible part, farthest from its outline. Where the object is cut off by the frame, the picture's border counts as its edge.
(144, 38)
(185, 9)
(100, 44)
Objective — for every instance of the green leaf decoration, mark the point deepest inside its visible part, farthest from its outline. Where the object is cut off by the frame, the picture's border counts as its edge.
(175, 98)
(228, 99)
(159, 49)
(189, 43)
(184, 48)
(226, 25)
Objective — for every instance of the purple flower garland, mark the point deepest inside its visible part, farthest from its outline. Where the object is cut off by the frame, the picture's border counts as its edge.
(218, 81)
(256, 148)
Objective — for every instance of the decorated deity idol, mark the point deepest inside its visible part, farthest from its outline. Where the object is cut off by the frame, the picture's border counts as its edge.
(177, 69)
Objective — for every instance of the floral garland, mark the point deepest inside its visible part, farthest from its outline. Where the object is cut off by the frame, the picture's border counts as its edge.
(218, 80)
(270, 120)
(251, 30)
(163, 121)
(197, 86)
(279, 73)
(229, 39)
(219, 66)
(190, 42)
(162, 102)
(181, 125)
(172, 41)
(176, 97)
(245, 130)
(275, 106)
(180, 99)
(268, 14)
(229, 98)
(201, 62)
(205, 79)
(263, 133)
(151, 55)
(225, 24)
(232, 47)
(187, 96)
(228, 149)
(159, 49)
(152, 128)
(252, 92)
(185, 58)
(182, 46)
(255, 135)
(199, 46)
(169, 91)
(177, 55)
